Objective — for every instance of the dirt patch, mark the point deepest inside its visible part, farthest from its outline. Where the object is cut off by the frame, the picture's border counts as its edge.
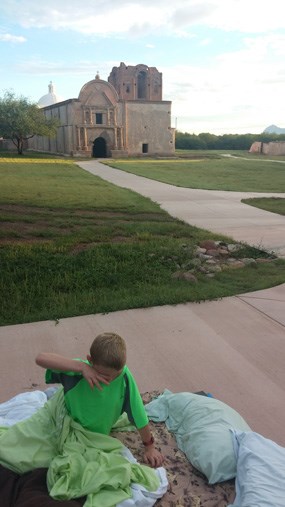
(22, 210)
(83, 247)
(27, 224)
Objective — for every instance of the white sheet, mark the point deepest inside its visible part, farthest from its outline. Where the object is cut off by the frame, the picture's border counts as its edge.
(260, 480)
(21, 407)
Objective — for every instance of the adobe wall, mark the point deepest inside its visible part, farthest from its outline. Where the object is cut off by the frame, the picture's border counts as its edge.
(153, 128)
(256, 147)
(65, 138)
(273, 148)
(135, 82)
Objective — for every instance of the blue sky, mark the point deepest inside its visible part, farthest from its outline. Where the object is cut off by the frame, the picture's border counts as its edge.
(223, 61)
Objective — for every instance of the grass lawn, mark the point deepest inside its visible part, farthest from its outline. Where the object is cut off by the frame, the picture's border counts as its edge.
(233, 153)
(273, 204)
(212, 171)
(73, 244)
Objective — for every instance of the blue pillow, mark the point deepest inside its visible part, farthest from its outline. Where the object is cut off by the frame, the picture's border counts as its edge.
(201, 426)
(260, 480)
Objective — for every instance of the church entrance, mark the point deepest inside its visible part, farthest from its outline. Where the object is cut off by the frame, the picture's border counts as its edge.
(99, 148)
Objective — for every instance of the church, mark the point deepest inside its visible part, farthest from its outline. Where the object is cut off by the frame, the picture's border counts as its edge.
(122, 117)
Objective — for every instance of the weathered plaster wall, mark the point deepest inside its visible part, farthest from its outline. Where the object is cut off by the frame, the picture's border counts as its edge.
(134, 82)
(271, 148)
(149, 124)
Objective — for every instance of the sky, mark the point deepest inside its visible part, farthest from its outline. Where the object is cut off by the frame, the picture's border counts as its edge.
(222, 61)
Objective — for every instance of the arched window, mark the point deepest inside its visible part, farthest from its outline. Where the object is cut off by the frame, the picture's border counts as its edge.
(142, 84)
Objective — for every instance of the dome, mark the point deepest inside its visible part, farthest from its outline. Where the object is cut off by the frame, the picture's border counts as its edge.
(50, 98)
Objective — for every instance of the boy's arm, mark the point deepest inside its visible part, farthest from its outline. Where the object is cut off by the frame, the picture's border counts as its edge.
(137, 414)
(151, 455)
(57, 362)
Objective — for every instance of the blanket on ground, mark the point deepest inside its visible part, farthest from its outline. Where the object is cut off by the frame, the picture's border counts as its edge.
(80, 462)
(202, 427)
(187, 486)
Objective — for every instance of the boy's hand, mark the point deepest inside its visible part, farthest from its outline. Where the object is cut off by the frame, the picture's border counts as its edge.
(153, 457)
(93, 378)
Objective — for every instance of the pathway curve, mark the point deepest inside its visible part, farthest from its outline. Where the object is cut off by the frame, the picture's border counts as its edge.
(217, 211)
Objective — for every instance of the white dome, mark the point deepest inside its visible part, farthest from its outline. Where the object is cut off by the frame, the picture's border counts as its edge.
(50, 98)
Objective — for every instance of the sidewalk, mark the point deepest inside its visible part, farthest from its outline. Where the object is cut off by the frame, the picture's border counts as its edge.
(233, 348)
(217, 211)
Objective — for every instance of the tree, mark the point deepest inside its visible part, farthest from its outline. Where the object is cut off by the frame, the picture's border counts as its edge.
(21, 119)
(207, 141)
(185, 141)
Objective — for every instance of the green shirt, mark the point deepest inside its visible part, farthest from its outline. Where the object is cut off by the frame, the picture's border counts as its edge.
(99, 410)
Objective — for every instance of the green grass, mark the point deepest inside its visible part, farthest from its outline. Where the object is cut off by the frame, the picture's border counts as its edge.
(273, 204)
(210, 154)
(73, 244)
(211, 171)
(235, 153)
(57, 182)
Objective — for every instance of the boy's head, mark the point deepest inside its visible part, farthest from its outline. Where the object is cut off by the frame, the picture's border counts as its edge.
(109, 350)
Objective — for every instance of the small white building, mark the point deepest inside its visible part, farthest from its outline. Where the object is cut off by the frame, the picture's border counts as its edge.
(50, 98)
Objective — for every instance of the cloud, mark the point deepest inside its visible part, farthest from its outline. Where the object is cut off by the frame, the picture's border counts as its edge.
(243, 88)
(247, 16)
(191, 13)
(103, 17)
(205, 42)
(7, 37)
(106, 17)
(38, 66)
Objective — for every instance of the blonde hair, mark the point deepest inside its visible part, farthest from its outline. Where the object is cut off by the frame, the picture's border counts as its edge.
(109, 349)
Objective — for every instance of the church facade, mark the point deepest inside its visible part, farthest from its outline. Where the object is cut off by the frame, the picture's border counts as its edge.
(124, 116)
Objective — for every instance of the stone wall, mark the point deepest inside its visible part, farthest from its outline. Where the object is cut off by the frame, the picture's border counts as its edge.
(138, 82)
(272, 148)
(148, 129)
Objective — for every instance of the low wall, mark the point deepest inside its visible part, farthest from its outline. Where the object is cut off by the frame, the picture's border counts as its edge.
(272, 148)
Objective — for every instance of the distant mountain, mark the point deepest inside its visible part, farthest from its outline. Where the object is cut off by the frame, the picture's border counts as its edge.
(273, 129)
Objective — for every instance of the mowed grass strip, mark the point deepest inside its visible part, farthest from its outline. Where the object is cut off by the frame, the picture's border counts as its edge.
(211, 172)
(60, 183)
(72, 244)
(273, 204)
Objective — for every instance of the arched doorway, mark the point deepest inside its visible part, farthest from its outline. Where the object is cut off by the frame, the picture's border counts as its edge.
(99, 148)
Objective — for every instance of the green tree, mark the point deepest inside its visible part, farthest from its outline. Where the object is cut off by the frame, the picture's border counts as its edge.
(185, 141)
(207, 141)
(21, 119)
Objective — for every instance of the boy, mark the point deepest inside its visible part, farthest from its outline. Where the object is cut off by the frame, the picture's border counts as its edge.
(99, 390)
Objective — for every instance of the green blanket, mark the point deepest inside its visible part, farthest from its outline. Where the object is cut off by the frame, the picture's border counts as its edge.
(79, 461)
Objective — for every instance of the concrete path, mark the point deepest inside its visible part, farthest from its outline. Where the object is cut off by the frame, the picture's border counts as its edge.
(217, 211)
(233, 348)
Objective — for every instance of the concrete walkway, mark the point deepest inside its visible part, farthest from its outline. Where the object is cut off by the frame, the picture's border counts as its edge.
(217, 211)
(233, 348)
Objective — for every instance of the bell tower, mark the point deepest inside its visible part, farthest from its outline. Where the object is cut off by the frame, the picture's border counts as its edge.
(138, 82)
